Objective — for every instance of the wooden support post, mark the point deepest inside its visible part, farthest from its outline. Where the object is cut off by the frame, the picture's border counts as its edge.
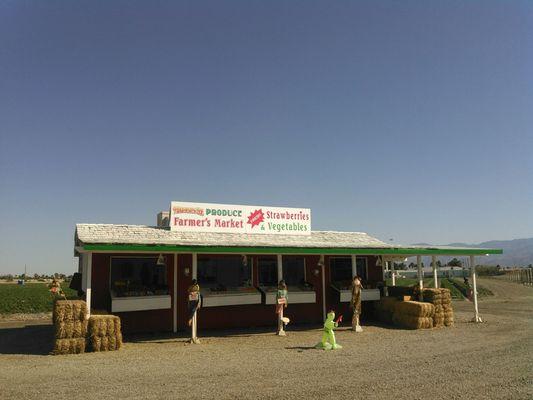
(435, 272)
(476, 318)
(354, 265)
(393, 273)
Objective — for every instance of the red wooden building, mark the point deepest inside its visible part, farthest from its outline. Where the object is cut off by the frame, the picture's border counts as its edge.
(142, 273)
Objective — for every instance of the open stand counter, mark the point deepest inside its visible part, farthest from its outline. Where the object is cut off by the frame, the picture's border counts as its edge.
(295, 295)
(230, 297)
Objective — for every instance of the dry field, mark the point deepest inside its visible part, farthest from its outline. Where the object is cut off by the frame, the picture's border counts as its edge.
(493, 360)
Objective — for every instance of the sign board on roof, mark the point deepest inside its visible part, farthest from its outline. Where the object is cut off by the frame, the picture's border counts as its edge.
(229, 218)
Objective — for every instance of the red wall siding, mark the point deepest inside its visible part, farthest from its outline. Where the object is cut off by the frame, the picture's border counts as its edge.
(220, 317)
(100, 297)
(184, 262)
(375, 273)
(137, 321)
(256, 315)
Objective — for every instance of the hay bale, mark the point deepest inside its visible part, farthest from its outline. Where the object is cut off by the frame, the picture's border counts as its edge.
(448, 321)
(438, 317)
(119, 340)
(70, 329)
(415, 308)
(104, 325)
(412, 322)
(432, 294)
(69, 346)
(69, 310)
(105, 332)
(103, 343)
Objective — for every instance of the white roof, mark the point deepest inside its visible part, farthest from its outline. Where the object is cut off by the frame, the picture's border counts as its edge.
(149, 235)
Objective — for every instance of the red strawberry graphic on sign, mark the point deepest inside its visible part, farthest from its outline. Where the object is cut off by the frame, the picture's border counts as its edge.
(256, 217)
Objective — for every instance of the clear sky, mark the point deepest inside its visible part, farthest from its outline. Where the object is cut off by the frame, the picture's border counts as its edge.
(410, 120)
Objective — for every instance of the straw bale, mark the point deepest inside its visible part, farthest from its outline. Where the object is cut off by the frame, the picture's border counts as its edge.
(115, 342)
(446, 294)
(412, 322)
(119, 340)
(438, 319)
(104, 325)
(105, 332)
(69, 310)
(415, 309)
(71, 329)
(448, 321)
(433, 294)
(100, 343)
(96, 343)
(69, 346)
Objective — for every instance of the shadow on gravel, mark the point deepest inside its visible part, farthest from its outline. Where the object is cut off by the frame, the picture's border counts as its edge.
(29, 339)
(300, 348)
(184, 335)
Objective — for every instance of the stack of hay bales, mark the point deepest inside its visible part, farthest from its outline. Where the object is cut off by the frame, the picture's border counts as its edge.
(442, 300)
(105, 332)
(70, 322)
(434, 296)
(413, 315)
(447, 307)
(385, 309)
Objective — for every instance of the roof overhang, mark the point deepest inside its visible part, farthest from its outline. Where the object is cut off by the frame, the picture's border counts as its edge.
(400, 251)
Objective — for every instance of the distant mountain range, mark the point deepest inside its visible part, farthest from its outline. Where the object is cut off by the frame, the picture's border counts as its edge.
(517, 252)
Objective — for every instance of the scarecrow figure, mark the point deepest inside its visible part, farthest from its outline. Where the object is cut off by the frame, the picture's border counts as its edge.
(55, 289)
(281, 303)
(355, 303)
(193, 304)
(328, 337)
(468, 288)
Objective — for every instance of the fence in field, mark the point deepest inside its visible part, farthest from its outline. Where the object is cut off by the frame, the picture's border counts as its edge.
(522, 275)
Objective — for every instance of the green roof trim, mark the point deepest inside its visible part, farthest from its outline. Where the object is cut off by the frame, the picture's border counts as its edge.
(293, 250)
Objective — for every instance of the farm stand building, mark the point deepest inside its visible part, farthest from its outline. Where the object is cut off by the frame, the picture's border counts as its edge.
(142, 273)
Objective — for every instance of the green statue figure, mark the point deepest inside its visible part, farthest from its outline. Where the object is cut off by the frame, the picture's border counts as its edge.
(328, 337)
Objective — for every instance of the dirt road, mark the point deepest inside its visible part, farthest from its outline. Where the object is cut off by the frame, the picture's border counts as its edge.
(493, 360)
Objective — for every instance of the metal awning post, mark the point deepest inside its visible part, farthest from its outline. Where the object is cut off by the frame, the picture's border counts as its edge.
(194, 324)
(476, 318)
(420, 276)
(89, 282)
(280, 330)
(323, 274)
(393, 273)
(435, 273)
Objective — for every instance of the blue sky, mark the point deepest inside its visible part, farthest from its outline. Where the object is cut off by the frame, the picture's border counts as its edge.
(408, 120)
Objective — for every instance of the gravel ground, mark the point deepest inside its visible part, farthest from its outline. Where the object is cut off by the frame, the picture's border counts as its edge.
(490, 360)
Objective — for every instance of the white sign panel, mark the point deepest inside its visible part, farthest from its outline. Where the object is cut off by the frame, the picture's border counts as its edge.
(205, 217)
